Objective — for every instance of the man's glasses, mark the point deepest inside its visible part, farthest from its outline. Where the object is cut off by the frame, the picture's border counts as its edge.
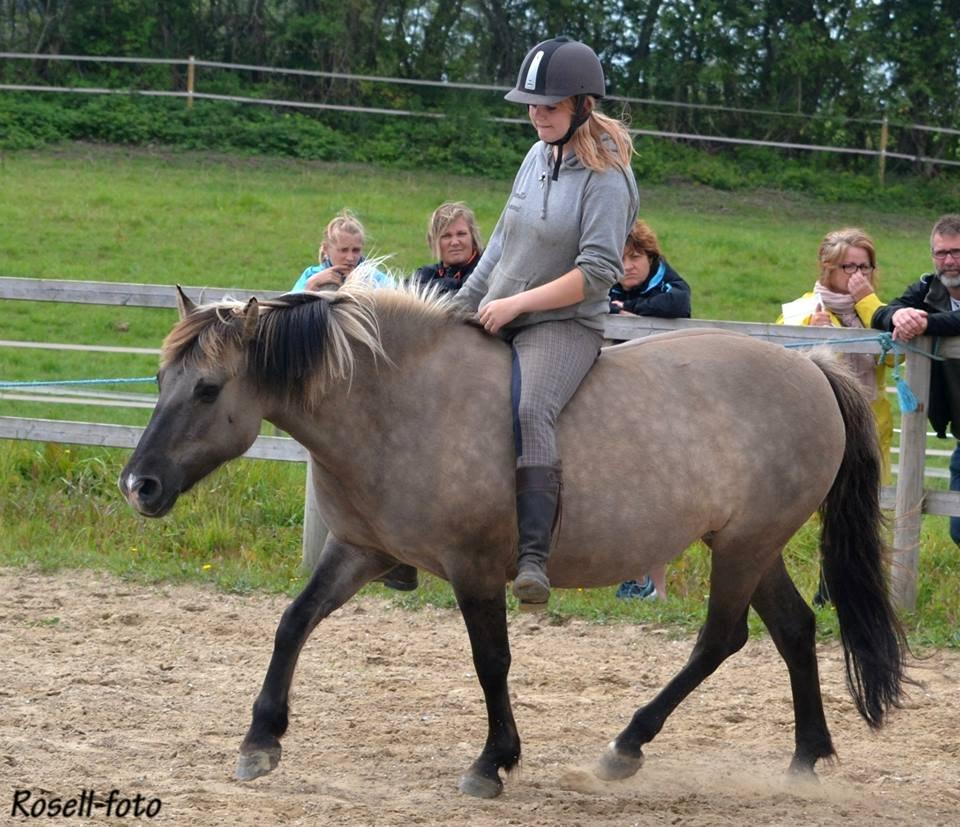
(866, 269)
(943, 255)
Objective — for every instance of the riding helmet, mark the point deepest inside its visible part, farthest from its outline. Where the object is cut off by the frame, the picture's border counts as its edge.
(556, 69)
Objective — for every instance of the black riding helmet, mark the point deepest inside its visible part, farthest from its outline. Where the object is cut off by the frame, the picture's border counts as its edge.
(555, 70)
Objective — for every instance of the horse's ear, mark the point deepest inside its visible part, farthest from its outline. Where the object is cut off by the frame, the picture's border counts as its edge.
(184, 306)
(251, 315)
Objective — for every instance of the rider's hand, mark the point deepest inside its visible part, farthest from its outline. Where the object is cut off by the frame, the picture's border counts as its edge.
(499, 312)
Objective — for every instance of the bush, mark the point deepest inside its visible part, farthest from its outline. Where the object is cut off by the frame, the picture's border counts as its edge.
(464, 142)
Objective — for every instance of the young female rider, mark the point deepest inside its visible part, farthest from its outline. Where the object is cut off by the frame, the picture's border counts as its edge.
(542, 282)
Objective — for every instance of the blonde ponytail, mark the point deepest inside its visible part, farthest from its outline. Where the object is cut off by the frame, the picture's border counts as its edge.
(602, 142)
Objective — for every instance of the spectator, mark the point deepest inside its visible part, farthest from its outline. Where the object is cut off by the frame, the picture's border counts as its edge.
(845, 296)
(649, 287)
(931, 306)
(454, 239)
(341, 252)
(542, 282)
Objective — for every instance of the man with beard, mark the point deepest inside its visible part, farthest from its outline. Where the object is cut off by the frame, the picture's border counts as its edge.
(931, 307)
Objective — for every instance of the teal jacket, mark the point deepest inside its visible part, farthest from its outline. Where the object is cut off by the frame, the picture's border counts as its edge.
(379, 279)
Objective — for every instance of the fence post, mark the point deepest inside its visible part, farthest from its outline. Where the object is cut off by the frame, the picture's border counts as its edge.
(909, 506)
(191, 77)
(882, 157)
(314, 530)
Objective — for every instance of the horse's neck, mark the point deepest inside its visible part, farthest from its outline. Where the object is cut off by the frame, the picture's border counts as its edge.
(353, 414)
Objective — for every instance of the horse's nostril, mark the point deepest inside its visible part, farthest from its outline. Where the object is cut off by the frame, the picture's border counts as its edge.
(145, 488)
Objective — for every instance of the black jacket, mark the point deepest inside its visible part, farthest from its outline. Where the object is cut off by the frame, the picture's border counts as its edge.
(664, 294)
(927, 293)
(449, 279)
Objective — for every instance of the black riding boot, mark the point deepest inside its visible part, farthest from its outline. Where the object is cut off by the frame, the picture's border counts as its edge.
(538, 501)
(401, 577)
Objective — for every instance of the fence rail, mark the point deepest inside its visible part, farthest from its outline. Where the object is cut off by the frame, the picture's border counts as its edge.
(909, 499)
(190, 94)
(453, 84)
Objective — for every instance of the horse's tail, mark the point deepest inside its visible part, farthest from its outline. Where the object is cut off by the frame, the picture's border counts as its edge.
(854, 557)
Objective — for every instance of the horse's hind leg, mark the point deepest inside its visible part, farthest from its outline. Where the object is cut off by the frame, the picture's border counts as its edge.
(485, 615)
(792, 626)
(341, 571)
(723, 633)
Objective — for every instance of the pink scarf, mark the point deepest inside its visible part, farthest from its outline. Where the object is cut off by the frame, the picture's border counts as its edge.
(863, 365)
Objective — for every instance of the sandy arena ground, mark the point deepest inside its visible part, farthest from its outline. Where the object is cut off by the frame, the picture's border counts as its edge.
(148, 690)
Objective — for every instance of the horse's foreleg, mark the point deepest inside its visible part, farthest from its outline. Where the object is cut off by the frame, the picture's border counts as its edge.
(792, 626)
(486, 620)
(341, 571)
(723, 633)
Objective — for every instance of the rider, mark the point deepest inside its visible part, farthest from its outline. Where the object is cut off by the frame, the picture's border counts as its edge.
(543, 280)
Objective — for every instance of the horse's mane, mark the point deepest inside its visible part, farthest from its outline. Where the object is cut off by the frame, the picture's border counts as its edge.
(303, 341)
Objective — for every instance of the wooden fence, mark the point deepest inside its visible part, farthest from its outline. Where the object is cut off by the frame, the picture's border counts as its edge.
(909, 499)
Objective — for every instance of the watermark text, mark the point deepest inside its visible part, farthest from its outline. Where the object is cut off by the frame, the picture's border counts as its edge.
(29, 804)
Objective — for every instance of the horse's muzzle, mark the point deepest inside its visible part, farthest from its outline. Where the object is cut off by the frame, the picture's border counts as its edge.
(145, 494)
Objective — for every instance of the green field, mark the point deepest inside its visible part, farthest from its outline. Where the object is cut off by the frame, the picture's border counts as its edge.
(108, 214)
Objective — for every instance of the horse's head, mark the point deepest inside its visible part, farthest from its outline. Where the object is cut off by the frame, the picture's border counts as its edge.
(207, 412)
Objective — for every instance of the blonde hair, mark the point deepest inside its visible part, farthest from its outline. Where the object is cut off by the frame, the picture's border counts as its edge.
(834, 247)
(343, 222)
(591, 141)
(443, 216)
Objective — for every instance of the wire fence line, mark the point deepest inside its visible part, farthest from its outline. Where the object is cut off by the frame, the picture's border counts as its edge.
(373, 110)
(450, 84)
(155, 93)
(409, 113)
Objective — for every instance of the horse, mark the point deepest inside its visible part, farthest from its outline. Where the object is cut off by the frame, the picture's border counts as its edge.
(404, 407)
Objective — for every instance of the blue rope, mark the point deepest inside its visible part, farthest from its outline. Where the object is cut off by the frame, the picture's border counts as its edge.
(36, 384)
(905, 396)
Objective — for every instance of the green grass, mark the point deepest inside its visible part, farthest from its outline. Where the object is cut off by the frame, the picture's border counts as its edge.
(100, 213)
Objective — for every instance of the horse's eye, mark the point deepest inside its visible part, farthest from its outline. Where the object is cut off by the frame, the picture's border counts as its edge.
(206, 392)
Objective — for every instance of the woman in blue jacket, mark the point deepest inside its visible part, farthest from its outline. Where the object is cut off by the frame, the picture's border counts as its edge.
(649, 286)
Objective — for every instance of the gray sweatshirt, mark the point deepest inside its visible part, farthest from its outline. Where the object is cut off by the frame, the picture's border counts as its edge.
(548, 228)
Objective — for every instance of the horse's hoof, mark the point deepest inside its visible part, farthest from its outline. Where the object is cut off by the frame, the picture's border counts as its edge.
(615, 766)
(252, 765)
(802, 775)
(480, 786)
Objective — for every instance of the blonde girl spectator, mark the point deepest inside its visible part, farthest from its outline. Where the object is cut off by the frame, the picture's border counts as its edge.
(341, 252)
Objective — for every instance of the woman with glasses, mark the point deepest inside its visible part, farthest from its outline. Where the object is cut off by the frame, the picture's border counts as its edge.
(845, 296)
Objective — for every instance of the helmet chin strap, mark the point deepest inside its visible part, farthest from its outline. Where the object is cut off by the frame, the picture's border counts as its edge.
(580, 116)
